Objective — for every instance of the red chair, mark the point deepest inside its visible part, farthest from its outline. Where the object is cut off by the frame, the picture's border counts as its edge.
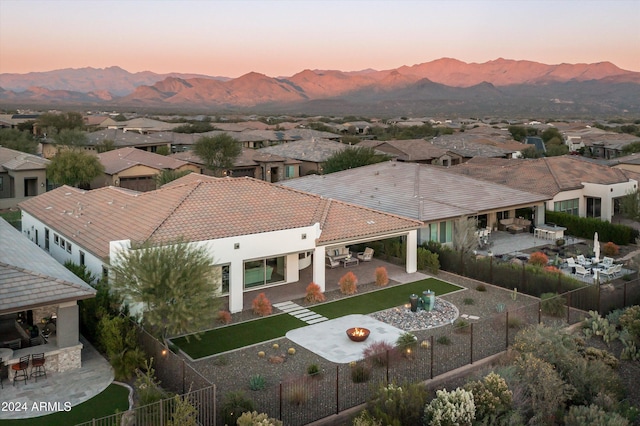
(20, 369)
(37, 366)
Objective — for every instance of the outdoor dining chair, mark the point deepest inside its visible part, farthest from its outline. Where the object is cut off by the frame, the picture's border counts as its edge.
(20, 369)
(582, 271)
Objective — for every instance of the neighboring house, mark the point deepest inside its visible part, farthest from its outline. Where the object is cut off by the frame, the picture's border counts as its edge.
(415, 151)
(35, 287)
(22, 176)
(252, 163)
(259, 234)
(572, 185)
(144, 125)
(119, 138)
(433, 195)
(136, 169)
(311, 153)
(468, 145)
(628, 162)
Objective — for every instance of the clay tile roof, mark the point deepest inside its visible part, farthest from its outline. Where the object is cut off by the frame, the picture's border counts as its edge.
(121, 159)
(200, 208)
(16, 160)
(548, 176)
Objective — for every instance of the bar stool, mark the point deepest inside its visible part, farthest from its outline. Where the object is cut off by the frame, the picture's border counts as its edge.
(37, 366)
(20, 369)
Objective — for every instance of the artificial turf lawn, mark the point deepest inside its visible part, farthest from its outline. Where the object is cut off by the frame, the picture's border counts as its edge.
(382, 299)
(113, 398)
(251, 332)
(238, 335)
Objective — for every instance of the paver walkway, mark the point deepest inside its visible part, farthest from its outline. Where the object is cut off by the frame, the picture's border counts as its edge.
(303, 314)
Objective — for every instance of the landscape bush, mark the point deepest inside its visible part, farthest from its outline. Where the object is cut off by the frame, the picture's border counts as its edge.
(491, 396)
(428, 261)
(314, 294)
(223, 317)
(257, 382)
(581, 415)
(360, 373)
(378, 352)
(261, 305)
(233, 406)
(538, 259)
(254, 418)
(382, 277)
(610, 249)
(147, 385)
(586, 227)
(398, 405)
(348, 283)
(450, 408)
(630, 320)
(552, 304)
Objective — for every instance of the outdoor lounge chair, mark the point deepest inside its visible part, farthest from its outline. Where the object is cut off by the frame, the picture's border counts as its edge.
(607, 262)
(582, 260)
(366, 255)
(609, 272)
(582, 271)
(332, 263)
(571, 263)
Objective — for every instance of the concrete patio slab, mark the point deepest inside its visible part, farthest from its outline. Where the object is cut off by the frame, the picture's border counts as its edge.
(329, 339)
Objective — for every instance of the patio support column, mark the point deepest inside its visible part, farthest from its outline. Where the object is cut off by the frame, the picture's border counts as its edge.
(412, 252)
(236, 283)
(67, 325)
(318, 267)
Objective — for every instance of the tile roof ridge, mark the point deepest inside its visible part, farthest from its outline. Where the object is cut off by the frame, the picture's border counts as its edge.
(326, 206)
(548, 163)
(357, 206)
(195, 185)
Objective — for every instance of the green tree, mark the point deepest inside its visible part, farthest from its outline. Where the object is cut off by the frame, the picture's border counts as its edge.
(118, 338)
(531, 152)
(195, 127)
(80, 271)
(218, 152)
(74, 168)
(174, 283)
(59, 122)
(554, 150)
(72, 138)
(519, 133)
(551, 133)
(105, 145)
(630, 205)
(17, 140)
(167, 176)
(352, 157)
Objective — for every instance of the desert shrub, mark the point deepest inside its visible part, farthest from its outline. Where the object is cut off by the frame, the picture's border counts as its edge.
(254, 418)
(630, 320)
(428, 261)
(257, 382)
(610, 249)
(580, 415)
(313, 369)
(378, 352)
(261, 305)
(360, 373)
(365, 419)
(147, 386)
(443, 340)
(552, 269)
(594, 354)
(538, 259)
(491, 396)
(552, 304)
(481, 287)
(546, 390)
(450, 408)
(514, 322)
(233, 405)
(348, 283)
(468, 301)
(314, 294)
(398, 405)
(297, 391)
(223, 317)
(382, 277)
(461, 326)
(406, 343)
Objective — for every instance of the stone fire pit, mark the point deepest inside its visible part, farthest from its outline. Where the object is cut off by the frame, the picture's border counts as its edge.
(358, 334)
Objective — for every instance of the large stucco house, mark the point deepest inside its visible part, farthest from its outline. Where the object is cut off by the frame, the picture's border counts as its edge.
(430, 194)
(22, 176)
(259, 234)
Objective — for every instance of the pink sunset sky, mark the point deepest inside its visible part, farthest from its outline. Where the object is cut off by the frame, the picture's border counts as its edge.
(281, 38)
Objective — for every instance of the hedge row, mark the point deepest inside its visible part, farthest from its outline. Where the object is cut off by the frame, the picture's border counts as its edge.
(586, 227)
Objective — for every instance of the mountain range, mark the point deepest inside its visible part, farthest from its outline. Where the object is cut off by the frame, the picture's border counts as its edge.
(442, 86)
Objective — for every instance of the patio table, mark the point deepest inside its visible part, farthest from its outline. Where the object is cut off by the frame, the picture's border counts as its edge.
(6, 353)
(349, 261)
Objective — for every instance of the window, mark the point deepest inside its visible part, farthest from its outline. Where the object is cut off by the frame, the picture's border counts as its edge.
(105, 273)
(289, 172)
(46, 239)
(264, 271)
(593, 207)
(62, 243)
(68, 247)
(56, 239)
(502, 215)
(81, 258)
(433, 232)
(446, 229)
(567, 206)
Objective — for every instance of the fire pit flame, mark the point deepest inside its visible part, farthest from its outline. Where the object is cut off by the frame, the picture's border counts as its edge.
(358, 334)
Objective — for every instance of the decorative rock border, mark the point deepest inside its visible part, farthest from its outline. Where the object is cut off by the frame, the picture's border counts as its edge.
(401, 317)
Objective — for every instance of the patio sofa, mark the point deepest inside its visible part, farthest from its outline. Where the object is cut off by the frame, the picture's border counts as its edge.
(514, 225)
(338, 253)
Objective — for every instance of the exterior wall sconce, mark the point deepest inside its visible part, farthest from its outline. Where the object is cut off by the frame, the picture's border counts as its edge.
(236, 246)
